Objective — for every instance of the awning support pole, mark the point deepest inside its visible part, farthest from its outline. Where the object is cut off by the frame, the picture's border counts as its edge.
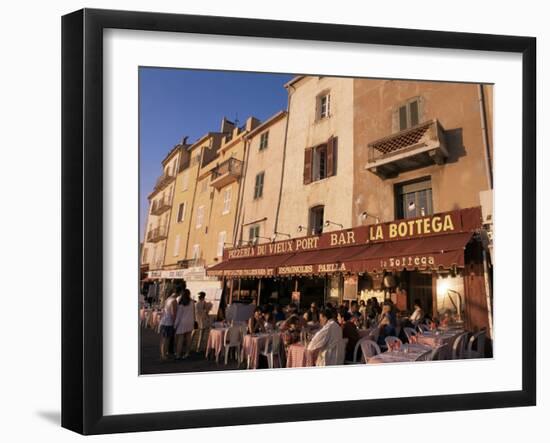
(259, 291)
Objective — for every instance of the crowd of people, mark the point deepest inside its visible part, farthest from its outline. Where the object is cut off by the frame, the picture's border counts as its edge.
(320, 327)
(180, 316)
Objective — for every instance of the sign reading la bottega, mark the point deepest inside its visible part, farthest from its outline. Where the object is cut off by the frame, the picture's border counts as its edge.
(445, 223)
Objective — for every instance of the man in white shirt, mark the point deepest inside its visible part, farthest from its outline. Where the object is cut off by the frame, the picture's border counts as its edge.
(326, 341)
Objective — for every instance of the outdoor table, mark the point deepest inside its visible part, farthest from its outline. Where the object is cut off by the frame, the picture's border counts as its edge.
(444, 338)
(298, 356)
(215, 341)
(414, 351)
(253, 345)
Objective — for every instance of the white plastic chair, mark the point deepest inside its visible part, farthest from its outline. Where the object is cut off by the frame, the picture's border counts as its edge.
(369, 348)
(437, 353)
(426, 356)
(459, 346)
(232, 339)
(391, 340)
(410, 332)
(341, 351)
(476, 341)
(272, 348)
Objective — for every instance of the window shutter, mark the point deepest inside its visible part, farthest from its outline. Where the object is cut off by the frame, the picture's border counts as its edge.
(308, 159)
(331, 156)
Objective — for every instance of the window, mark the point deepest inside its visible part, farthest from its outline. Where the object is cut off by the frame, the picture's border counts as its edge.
(323, 106)
(259, 185)
(185, 181)
(316, 220)
(181, 213)
(226, 201)
(414, 199)
(253, 233)
(320, 161)
(263, 140)
(221, 243)
(177, 246)
(408, 115)
(196, 251)
(145, 257)
(200, 217)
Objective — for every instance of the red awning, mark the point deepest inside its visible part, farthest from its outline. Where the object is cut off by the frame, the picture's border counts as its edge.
(265, 266)
(442, 251)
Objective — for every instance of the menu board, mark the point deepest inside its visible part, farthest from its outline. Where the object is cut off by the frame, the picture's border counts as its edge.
(350, 287)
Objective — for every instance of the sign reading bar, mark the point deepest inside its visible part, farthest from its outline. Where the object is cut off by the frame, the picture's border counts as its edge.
(445, 223)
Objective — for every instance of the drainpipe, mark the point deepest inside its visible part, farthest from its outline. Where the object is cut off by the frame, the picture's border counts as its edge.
(240, 197)
(485, 136)
(193, 200)
(276, 225)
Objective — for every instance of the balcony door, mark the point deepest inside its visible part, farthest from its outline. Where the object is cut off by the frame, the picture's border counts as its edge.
(414, 199)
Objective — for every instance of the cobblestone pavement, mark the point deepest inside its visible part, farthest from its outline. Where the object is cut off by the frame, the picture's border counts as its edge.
(150, 362)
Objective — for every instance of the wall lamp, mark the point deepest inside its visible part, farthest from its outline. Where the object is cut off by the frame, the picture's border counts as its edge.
(275, 234)
(365, 215)
(328, 223)
(301, 228)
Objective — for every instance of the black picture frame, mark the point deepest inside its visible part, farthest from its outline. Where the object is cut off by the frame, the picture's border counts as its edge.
(82, 215)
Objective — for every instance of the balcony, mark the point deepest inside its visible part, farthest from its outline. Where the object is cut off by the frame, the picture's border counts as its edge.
(157, 234)
(163, 181)
(192, 263)
(160, 207)
(226, 172)
(412, 148)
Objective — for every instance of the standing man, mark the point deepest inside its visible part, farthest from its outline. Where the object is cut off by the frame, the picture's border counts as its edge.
(202, 310)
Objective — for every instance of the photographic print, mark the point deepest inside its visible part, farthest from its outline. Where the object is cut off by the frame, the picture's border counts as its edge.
(293, 221)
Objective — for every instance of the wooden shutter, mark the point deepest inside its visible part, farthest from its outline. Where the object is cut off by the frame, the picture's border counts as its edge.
(308, 166)
(331, 156)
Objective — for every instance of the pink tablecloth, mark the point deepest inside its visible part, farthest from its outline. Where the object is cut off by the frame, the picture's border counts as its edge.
(252, 346)
(215, 341)
(299, 357)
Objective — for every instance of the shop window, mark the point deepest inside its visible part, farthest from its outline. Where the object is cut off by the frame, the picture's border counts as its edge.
(316, 220)
(414, 199)
(320, 161)
(264, 140)
(253, 233)
(259, 185)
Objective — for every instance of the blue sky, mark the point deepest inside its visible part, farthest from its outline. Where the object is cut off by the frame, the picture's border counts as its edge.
(179, 102)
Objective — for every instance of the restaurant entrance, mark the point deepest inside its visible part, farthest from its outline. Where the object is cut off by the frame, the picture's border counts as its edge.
(312, 289)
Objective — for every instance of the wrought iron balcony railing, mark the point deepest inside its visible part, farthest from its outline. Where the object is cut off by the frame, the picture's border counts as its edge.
(226, 172)
(157, 234)
(411, 148)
